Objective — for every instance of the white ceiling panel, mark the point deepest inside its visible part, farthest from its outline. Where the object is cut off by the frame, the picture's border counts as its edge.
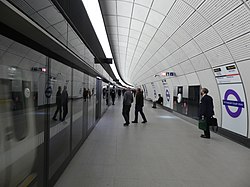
(191, 49)
(193, 3)
(179, 56)
(192, 79)
(140, 12)
(134, 34)
(208, 39)
(213, 10)
(160, 36)
(149, 30)
(187, 67)
(195, 24)
(123, 31)
(175, 81)
(162, 6)
(124, 8)
(137, 25)
(133, 41)
(164, 51)
(183, 81)
(200, 62)
(168, 26)
(123, 22)
(180, 37)
(146, 3)
(154, 18)
(123, 38)
(219, 55)
(180, 12)
(234, 24)
(240, 47)
(178, 70)
(142, 44)
(145, 38)
(171, 46)
(123, 44)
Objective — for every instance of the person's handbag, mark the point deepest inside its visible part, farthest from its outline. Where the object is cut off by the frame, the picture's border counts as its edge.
(202, 124)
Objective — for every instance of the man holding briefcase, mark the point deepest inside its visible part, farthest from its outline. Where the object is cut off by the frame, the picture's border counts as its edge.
(206, 111)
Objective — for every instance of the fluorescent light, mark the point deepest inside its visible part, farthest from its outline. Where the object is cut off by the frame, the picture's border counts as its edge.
(93, 9)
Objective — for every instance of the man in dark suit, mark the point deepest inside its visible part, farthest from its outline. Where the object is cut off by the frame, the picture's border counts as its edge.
(206, 110)
(127, 101)
(139, 103)
(65, 99)
(58, 104)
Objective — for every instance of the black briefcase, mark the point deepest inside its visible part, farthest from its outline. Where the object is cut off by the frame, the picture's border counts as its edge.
(214, 124)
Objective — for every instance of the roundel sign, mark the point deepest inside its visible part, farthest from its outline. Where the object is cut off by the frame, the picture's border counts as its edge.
(48, 91)
(236, 103)
(27, 92)
(167, 95)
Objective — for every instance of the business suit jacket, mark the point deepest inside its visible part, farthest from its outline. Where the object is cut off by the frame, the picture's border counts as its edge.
(139, 102)
(206, 107)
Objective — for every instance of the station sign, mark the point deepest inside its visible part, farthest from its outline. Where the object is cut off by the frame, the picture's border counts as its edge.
(227, 74)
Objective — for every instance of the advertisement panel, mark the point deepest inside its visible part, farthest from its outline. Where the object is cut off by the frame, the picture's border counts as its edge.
(166, 95)
(234, 111)
(154, 91)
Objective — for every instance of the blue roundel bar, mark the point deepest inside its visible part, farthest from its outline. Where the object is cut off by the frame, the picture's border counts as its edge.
(233, 103)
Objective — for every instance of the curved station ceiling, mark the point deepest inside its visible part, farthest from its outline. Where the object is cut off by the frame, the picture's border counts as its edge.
(148, 37)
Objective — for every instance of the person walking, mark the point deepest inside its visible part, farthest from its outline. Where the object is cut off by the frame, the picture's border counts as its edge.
(206, 110)
(112, 94)
(127, 101)
(65, 99)
(58, 104)
(139, 103)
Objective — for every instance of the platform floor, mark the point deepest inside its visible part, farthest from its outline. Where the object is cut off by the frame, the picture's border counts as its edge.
(167, 151)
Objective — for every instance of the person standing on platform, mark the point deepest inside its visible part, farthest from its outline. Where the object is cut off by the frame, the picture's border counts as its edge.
(139, 103)
(58, 104)
(206, 110)
(112, 94)
(127, 101)
(85, 94)
(65, 99)
(160, 99)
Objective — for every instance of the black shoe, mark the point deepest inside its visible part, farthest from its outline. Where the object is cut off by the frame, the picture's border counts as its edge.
(125, 124)
(203, 136)
(134, 121)
(54, 119)
(144, 121)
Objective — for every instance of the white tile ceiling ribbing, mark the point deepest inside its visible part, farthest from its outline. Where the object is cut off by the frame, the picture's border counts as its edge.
(148, 37)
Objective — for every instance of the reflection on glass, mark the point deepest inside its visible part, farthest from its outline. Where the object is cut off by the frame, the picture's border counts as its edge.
(22, 116)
